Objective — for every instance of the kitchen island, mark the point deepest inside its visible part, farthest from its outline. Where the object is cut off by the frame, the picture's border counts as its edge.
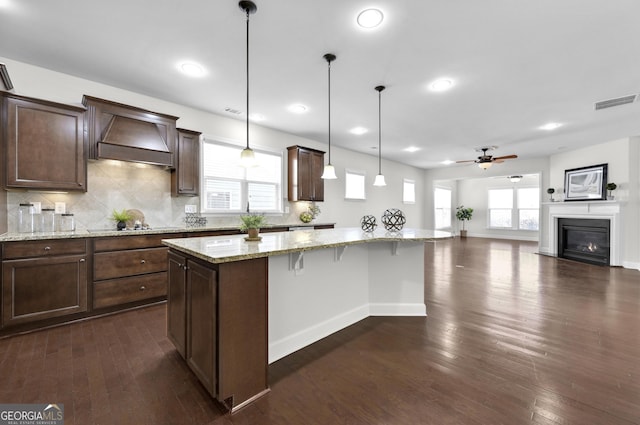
(234, 306)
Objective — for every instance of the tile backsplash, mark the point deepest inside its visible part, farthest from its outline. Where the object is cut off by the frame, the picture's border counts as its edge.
(124, 185)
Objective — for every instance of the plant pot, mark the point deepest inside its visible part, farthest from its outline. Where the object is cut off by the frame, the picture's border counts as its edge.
(253, 233)
(463, 233)
(121, 225)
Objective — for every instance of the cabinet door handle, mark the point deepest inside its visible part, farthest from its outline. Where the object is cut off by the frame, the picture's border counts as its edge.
(142, 261)
(47, 248)
(142, 288)
(82, 260)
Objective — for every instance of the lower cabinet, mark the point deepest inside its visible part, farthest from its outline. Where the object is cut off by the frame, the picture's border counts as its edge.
(217, 319)
(43, 280)
(128, 269)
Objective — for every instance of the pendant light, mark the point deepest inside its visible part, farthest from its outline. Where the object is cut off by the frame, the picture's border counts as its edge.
(379, 181)
(247, 156)
(329, 172)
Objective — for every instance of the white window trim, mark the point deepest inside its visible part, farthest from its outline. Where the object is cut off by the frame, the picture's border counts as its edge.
(237, 144)
(364, 185)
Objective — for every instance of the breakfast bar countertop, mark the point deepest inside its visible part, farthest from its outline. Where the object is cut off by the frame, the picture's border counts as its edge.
(99, 233)
(223, 249)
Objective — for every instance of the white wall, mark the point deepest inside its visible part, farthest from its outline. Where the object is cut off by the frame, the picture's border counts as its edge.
(49, 85)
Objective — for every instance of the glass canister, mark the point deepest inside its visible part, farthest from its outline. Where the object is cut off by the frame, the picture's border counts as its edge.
(67, 223)
(26, 218)
(48, 220)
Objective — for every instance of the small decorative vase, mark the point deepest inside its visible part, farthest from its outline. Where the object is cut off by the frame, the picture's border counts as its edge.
(121, 225)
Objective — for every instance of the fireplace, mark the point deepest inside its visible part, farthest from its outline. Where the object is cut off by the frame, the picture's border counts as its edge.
(583, 239)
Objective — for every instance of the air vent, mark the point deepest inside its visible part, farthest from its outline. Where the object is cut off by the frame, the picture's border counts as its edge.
(233, 111)
(615, 102)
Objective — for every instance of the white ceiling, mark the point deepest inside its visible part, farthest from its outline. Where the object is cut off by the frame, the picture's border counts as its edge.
(517, 64)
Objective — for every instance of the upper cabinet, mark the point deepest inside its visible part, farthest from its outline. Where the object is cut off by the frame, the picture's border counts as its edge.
(43, 143)
(185, 179)
(127, 133)
(305, 171)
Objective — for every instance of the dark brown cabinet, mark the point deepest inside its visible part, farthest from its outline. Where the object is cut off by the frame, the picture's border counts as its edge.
(305, 167)
(129, 269)
(217, 319)
(185, 178)
(44, 144)
(128, 133)
(43, 280)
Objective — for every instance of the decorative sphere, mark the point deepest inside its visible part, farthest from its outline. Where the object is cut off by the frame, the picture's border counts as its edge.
(393, 219)
(306, 217)
(368, 223)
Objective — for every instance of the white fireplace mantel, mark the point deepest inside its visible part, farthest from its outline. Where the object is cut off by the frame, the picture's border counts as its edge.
(608, 210)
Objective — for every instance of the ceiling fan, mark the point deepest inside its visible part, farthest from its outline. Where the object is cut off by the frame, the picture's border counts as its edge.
(485, 161)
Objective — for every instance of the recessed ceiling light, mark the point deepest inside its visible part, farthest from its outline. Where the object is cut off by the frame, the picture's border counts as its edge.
(370, 18)
(257, 117)
(442, 84)
(358, 131)
(447, 162)
(550, 126)
(298, 108)
(191, 69)
(412, 149)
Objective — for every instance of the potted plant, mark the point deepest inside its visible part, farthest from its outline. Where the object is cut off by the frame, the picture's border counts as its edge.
(121, 218)
(310, 214)
(463, 214)
(251, 223)
(611, 187)
(551, 191)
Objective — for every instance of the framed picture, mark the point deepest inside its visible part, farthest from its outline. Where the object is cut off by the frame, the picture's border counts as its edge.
(586, 183)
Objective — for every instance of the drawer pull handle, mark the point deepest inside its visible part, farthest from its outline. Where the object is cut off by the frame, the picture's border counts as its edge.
(47, 248)
(142, 261)
(142, 288)
(82, 260)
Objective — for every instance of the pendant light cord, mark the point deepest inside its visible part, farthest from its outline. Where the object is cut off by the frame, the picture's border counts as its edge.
(248, 78)
(379, 90)
(329, 98)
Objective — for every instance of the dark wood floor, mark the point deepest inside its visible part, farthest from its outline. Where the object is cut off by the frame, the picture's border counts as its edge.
(512, 338)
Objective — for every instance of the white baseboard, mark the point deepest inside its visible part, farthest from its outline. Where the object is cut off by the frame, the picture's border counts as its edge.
(292, 343)
(398, 309)
(533, 238)
(631, 265)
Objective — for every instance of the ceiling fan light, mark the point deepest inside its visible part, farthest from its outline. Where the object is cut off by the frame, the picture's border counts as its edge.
(379, 181)
(329, 172)
(484, 165)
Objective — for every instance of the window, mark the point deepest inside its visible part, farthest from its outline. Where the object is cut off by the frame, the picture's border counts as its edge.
(354, 185)
(228, 187)
(409, 191)
(442, 207)
(503, 215)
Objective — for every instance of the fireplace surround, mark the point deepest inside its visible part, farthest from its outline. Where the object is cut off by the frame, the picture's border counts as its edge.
(605, 210)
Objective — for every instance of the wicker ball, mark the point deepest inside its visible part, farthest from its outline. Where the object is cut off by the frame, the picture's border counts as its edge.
(368, 223)
(393, 219)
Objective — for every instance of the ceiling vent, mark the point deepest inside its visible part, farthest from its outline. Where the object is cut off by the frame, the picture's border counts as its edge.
(233, 111)
(610, 103)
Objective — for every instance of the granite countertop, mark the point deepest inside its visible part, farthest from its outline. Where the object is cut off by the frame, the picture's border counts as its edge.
(99, 233)
(223, 249)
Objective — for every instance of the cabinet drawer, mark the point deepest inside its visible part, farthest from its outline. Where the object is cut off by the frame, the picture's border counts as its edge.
(110, 265)
(131, 242)
(47, 248)
(114, 292)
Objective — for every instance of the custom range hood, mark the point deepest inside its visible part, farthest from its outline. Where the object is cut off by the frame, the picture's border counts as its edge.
(127, 133)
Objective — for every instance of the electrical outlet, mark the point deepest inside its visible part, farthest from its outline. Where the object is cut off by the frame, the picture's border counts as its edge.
(60, 208)
(191, 208)
(37, 207)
